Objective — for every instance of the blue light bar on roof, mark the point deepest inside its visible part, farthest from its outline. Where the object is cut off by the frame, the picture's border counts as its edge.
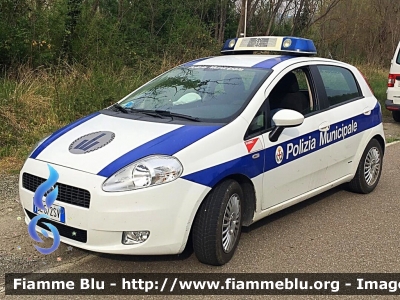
(290, 45)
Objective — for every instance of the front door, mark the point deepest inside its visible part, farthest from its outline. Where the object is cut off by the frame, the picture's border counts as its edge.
(294, 164)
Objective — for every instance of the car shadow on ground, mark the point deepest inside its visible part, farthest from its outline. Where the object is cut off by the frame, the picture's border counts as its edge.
(150, 258)
(292, 209)
(189, 248)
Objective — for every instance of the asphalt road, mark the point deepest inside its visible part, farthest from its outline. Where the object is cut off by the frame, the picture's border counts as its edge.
(334, 232)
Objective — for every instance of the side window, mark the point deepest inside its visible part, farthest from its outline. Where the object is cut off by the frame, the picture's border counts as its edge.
(301, 79)
(304, 87)
(340, 84)
(257, 125)
(293, 91)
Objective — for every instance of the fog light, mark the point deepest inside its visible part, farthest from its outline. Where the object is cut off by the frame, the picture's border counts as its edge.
(134, 237)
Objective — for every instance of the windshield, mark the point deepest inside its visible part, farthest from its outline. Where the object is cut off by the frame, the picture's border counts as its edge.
(209, 93)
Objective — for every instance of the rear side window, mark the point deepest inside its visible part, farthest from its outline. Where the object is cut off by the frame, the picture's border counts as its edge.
(340, 84)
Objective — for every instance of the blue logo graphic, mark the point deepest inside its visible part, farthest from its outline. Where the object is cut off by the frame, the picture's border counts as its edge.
(87, 144)
(91, 142)
(46, 187)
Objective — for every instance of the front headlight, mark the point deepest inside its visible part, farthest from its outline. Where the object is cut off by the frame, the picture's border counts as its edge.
(149, 171)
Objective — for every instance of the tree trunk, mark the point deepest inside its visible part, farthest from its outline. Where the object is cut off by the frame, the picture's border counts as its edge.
(120, 9)
(96, 6)
(296, 18)
(74, 11)
(275, 10)
(222, 22)
(240, 28)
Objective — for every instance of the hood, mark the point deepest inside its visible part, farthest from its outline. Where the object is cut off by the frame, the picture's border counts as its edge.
(102, 144)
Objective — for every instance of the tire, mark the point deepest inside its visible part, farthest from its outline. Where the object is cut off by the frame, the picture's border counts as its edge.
(365, 181)
(209, 224)
(396, 115)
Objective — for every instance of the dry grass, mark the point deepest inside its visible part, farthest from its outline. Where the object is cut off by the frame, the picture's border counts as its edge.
(372, 71)
(377, 78)
(10, 165)
(34, 103)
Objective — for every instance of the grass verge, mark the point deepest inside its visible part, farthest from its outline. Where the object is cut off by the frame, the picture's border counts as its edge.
(391, 140)
(377, 78)
(36, 102)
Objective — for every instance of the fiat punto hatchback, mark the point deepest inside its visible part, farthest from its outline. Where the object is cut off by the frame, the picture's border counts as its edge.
(206, 148)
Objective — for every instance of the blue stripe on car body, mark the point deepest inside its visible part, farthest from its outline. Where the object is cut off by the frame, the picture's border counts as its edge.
(167, 144)
(271, 62)
(61, 132)
(252, 168)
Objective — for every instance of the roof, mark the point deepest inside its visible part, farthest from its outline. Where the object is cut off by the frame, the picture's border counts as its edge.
(253, 60)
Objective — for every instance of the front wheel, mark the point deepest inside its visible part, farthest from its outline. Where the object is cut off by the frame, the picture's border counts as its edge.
(217, 226)
(396, 116)
(369, 169)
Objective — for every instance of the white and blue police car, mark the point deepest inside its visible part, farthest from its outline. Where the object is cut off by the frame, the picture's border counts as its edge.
(208, 147)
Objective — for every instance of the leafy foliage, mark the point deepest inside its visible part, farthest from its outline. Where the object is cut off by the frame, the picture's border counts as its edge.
(62, 59)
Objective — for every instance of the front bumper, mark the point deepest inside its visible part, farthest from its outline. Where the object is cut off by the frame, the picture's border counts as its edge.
(390, 105)
(167, 211)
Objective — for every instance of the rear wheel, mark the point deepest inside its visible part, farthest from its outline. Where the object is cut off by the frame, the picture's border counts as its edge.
(217, 226)
(369, 169)
(396, 115)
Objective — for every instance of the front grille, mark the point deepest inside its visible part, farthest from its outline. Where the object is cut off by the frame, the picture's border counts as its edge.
(66, 193)
(72, 233)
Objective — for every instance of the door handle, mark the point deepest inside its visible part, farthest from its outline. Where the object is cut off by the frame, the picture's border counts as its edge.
(367, 111)
(324, 126)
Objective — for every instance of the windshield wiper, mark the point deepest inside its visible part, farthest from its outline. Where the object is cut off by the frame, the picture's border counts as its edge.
(146, 112)
(168, 113)
(120, 108)
(154, 113)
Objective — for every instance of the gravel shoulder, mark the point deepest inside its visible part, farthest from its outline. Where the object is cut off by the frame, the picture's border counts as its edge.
(17, 252)
(392, 129)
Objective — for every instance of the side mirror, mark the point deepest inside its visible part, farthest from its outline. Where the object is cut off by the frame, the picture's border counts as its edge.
(287, 118)
(284, 118)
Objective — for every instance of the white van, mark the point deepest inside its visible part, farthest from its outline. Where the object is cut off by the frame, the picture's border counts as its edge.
(393, 91)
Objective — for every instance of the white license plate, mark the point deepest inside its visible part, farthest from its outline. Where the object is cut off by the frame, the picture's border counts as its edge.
(55, 212)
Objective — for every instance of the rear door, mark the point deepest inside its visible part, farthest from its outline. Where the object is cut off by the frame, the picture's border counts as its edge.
(349, 115)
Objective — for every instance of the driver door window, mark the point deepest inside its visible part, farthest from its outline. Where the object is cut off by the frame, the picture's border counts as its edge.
(294, 92)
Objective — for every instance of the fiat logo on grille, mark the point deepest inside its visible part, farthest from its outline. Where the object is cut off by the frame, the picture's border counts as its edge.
(91, 142)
